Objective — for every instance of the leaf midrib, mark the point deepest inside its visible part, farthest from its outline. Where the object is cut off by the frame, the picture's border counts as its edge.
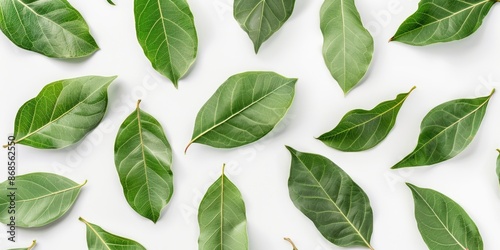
(335, 204)
(160, 10)
(97, 234)
(440, 20)
(34, 12)
(446, 129)
(222, 213)
(50, 194)
(59, 117)
(144, 159)
(238, 112)
(439, 219)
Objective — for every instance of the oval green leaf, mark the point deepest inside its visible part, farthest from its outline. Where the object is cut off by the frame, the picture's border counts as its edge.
(443, 224)
(166, 33)
(50, 27)
(26, 248)
(260, 19)
(63, 112)
(244, 109)
(40, 198)
(143, 158)
(437, 21)
(347, 45)
(222, 217)
(336, 205)
(446, 131)
(363, 129)
(99, 239)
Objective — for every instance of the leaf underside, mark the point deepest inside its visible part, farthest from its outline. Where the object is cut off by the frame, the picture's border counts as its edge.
(99, 239)
(443, 224)
(63, 112)
(437, 21)
(244, 109)
(143, 159)
(260, 19)
(50, 27)
(347, 45)
(446, 131)
(167, 34)
(336, 205)
(221, 217)
(362, 129)
(41, 198)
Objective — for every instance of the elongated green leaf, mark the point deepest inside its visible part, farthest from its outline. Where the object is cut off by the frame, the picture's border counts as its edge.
(437, 21)
(222, 218)
(324, 193)
(26, 248)
(347, 45)
(40, 198)
(363, 129)
(166, 33)
(50, 27)
(443, 224)
(99, 239)
(446, 131)
(143, 158)
(262, 18)
(63, 112)
(498, 166)
(244, 109)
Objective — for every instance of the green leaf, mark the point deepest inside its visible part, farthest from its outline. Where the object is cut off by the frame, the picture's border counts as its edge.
(63, 112)
(50, 27)
(446, 131)
(244, 109)
(166, 33)
(336, 205)
(222, 218)
(442, 223)
(111, 2)
(262, 18)
(143, 158)
(498, 166)
(98, 239)
(40, 198)
(437, 21)
(363, 129)
(347, 45)
(26, 248)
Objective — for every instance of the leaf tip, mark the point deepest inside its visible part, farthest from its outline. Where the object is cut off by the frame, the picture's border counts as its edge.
(82, 220)
(411, 90)
(290, 148)
(83, 184)
(498, 150)
(223, 168)
(492, 92)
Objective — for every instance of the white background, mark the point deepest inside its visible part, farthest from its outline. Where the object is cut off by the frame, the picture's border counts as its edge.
(467, 68)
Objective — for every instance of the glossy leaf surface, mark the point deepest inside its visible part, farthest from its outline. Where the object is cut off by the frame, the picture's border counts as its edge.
(363, 129)
(446, 131)
(99, 239)
(63, 112)
(347, 45)
(336, 205)
(40, 198)
(222, 217)
(143, 158)
(437, 21)
(244, 109)
(443, 224)
(262, 18)
(50, 27)
(167, 35)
